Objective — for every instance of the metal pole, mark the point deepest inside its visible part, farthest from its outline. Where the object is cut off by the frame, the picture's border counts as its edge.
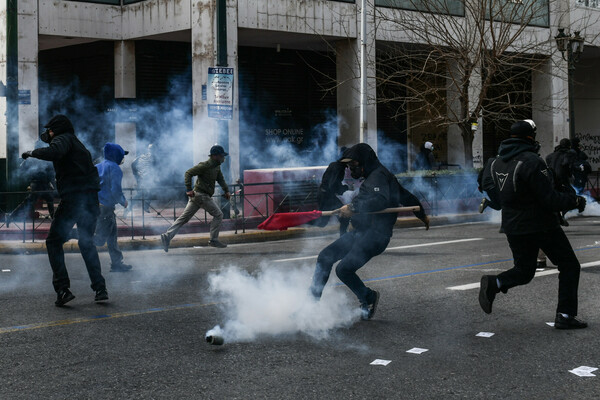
(571, 72)
(363, 72)
(12, 94)
(223, 125)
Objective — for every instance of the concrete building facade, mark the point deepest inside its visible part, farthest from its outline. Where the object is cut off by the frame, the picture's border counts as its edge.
(119, 54)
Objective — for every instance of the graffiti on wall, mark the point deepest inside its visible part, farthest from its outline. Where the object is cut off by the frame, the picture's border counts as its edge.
(590, 144)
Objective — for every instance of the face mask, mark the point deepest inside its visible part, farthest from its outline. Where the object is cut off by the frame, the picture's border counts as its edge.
(355, 171)
(45, 136)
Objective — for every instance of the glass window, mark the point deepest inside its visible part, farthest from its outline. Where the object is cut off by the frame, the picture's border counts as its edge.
(529, 12)
(449, 7)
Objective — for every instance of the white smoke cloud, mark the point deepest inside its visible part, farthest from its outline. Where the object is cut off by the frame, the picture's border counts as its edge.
(275, 302)
(592, 208)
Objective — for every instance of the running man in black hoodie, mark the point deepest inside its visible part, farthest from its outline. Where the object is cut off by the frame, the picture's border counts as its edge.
(530, 204)
(372, 232)
(78, 184)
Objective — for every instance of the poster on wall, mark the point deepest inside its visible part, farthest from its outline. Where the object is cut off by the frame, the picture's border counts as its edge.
(590, 144)
(220, 92)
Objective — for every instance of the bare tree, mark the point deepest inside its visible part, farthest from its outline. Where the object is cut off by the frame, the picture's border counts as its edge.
(461, 60)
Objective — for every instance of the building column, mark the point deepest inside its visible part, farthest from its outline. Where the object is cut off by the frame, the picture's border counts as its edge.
(125, 88)
(348, 92)
(204, 52)
(550, 104)
(28, 74)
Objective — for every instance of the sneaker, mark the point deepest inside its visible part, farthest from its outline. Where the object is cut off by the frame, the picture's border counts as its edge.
(164, 238)
(568, 322)
(541, 264)
(216, 243)
(368, 310)
(63, 297)
(120, 267)
(101, 295)
(487, 292)
(483, 205)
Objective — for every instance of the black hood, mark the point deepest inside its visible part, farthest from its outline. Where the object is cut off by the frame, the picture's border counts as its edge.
(512, 147)
(60, 124)
(364, 154)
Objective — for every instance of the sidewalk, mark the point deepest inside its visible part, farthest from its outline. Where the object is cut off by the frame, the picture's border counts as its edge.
(228, 237)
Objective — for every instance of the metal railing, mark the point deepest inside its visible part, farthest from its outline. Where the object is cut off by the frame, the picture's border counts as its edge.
(152, 210)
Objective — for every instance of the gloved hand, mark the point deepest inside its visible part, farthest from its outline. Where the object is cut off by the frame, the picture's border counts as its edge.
(346, 211)
(26, 155)
(581, 202)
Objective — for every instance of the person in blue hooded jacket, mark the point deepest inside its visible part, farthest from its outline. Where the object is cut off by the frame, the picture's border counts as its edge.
(109, 196)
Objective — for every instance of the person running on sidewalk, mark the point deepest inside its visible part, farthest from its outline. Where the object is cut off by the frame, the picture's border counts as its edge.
(110, 195)
(78, 184)
(529, 203)
(371, 233)
(207, 173)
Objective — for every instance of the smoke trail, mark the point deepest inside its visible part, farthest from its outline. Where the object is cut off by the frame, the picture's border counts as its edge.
(277, 302)
(592, 208)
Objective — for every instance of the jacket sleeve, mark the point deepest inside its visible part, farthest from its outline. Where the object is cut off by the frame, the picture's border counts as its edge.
(373, 195)
(116, 190)
(408, 199)
(222, 182)
(190, 173)
(538, 180)
(58, 148)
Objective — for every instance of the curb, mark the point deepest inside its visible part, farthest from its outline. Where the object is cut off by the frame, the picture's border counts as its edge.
(250, 236)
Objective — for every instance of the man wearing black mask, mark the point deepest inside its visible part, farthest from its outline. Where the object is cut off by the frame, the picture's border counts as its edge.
(371, 233)
(78, 185)
(530, 204)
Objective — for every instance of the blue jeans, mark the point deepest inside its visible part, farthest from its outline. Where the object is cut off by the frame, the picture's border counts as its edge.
(106, 232)
(353, 249)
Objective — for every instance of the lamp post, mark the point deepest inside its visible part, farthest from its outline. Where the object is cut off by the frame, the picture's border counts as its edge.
(572, 45)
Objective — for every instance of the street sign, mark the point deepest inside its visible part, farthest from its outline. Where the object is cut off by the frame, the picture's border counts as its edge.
(220, 92)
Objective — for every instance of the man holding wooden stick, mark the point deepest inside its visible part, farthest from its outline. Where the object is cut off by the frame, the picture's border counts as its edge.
(372, 231)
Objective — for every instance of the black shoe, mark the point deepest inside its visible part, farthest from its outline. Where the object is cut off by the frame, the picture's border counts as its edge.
(216, 243)
(487, 292)
(368, 310)
(483, 205)
(164, 238)
(63, 297)
(120, 267)
(568, 322)
(101, 295)
(541, 264)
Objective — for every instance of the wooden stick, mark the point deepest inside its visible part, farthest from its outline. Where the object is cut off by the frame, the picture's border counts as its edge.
(384, 211)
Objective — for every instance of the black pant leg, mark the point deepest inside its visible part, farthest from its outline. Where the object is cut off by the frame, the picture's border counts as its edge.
(88, 210)
(557, 247)
(327, 257)
(366, 246)
(64, 219)
(524, 249)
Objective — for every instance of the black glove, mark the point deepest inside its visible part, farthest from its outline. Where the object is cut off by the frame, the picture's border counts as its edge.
(26, 155)
(581, 203)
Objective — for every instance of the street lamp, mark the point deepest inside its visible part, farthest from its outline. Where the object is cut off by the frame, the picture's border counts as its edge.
(572, 45)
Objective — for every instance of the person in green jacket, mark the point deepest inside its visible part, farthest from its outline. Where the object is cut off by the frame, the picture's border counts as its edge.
(201, 197)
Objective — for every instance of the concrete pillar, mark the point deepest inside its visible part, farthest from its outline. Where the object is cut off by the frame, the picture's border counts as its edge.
(550, 104)
(204, 56)
(28, 73)
(456, 148)
(348, 92)
(3, 78)
(125, 132)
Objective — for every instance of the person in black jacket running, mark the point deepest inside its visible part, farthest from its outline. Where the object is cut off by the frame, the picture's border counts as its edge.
(372, 232)
(78, 184)
(529, 205)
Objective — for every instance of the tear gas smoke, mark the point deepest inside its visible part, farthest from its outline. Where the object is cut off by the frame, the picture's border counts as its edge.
(274, 302)
(592, 208)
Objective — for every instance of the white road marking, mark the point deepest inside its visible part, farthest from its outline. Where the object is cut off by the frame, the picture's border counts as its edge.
(390, 248)
(543, 273)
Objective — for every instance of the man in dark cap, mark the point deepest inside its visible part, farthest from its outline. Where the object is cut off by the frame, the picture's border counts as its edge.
(207, 173)
(530, 204)
(77, 182)
(371, 233)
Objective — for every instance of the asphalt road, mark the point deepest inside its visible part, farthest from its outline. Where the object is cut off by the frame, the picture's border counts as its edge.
(148, 341)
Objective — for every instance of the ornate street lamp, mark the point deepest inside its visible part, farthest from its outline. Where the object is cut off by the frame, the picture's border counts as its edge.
(571, 47)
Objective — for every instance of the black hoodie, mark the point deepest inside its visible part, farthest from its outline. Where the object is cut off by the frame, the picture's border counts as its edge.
(75, 171)
(529, 200)
(379, 190)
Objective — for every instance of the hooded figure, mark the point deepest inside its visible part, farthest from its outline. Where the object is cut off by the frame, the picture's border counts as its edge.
(372, 232)
(529, 204)
(581, 167)
(425, 160)
(110, 195)
(332, 186)
(78, 184)
(561, 163)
